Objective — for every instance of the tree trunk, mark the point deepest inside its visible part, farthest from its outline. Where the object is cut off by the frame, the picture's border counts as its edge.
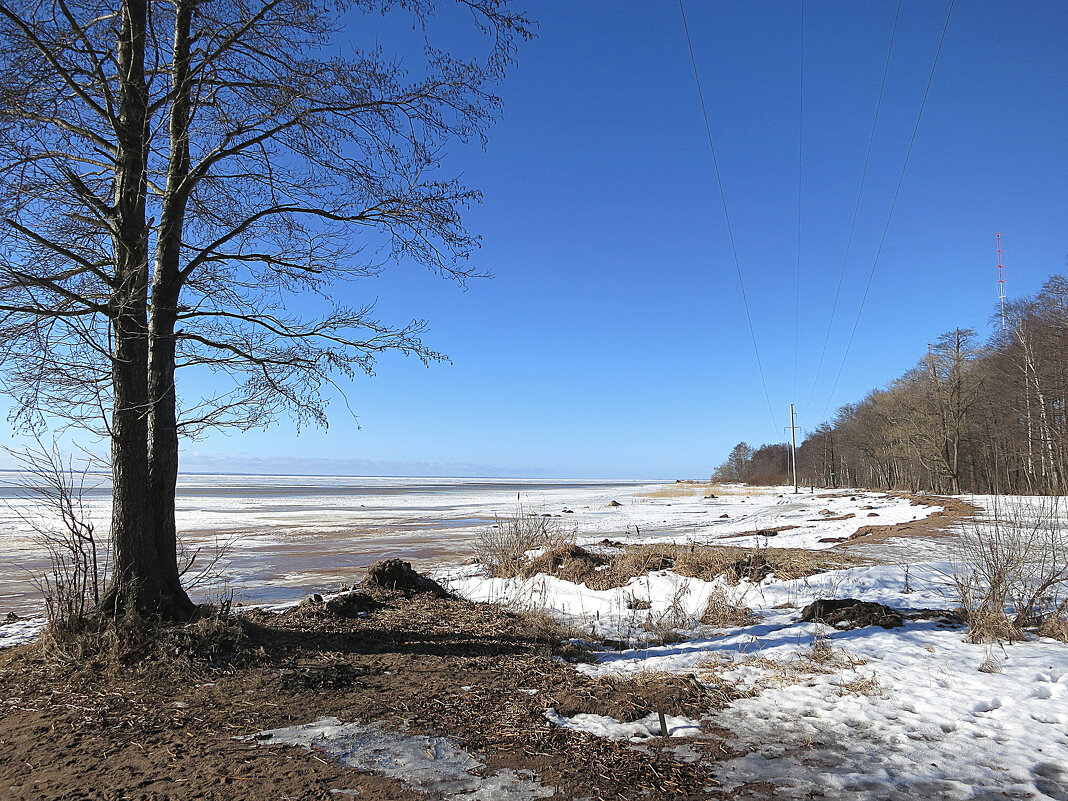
(163, 452)
(166, 286)
(136, 582)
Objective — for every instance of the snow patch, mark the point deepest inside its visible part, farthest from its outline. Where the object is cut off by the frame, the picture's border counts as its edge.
(641, 729)
(428, 764)
(21, 631)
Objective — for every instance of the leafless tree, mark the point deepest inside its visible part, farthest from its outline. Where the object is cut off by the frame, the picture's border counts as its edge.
(173, 173)
(990, 419)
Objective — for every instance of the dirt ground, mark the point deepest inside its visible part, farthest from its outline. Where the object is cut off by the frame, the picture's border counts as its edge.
(936, 525)
(163, 729)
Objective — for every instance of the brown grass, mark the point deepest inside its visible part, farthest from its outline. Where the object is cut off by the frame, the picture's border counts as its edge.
(863, 685)
(601, 572)
(721, 613)
(683, 489)
(104, 645)
(990, 625)
(1055, 627)
(568, 562)
(819, 659)
(690, 489)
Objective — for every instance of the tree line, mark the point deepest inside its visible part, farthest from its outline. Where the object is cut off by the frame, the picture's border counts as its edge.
(970, 416)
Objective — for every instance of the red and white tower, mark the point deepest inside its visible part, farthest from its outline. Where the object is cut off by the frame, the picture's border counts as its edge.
(1001, 286)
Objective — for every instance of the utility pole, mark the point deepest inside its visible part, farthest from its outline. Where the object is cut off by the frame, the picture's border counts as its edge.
(793, 445)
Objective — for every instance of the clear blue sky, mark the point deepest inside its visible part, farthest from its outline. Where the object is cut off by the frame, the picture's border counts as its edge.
(612, 339)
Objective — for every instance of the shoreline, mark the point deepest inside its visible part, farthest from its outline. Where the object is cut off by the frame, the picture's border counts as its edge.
(292, 702)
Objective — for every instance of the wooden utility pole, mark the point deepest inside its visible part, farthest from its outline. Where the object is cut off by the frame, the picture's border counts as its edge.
(793, 445)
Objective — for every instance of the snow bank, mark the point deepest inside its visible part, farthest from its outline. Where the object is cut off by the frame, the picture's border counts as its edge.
(866, 713)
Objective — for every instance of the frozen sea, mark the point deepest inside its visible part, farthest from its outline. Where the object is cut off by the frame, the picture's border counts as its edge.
(283, 537)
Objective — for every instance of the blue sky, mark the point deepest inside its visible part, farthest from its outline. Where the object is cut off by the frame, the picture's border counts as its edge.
(612, 340)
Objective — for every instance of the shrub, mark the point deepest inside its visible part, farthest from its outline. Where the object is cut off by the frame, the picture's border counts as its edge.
(59, 517)
(503, 547)
(722, 613)
(1011, 573)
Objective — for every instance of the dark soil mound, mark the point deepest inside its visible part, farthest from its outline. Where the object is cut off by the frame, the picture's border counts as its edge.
(754, 567)
(396, 574)
(569, 562)
(352, 604)
(849, 613)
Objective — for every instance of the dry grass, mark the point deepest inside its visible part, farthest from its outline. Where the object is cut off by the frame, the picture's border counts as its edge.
(722, 613)
(638, 560)
(107, 646)
(990, 625)
(819, 660)
(568, 562)
(863, 685)
(1055, 627)
(665, 626)
(549, 636)
(991, 665)
(681, 489)
(691, 489)
(503, 547)
(602, 572)
(707, 562)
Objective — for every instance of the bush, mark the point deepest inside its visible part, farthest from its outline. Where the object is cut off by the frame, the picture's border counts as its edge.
(59, 517)
(1011, 573)
(503, 548)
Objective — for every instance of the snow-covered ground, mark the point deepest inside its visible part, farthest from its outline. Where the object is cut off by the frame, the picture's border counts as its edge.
(859, 714)
(868, 713)
(284, 537)
(20, 631)
(432, 765)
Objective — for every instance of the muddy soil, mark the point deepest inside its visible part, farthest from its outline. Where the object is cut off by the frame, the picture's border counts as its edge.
(163, 728)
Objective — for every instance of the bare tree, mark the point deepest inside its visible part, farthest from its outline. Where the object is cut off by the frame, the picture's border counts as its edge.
(990, 419)
(736, 466)
(173, 174)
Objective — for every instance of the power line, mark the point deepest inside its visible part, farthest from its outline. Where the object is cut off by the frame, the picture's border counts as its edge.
(890, 214)
(856, 206)
(726, 215)
(797, 284)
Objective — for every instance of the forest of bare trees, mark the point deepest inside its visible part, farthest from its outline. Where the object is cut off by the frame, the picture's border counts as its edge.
(969, 417)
